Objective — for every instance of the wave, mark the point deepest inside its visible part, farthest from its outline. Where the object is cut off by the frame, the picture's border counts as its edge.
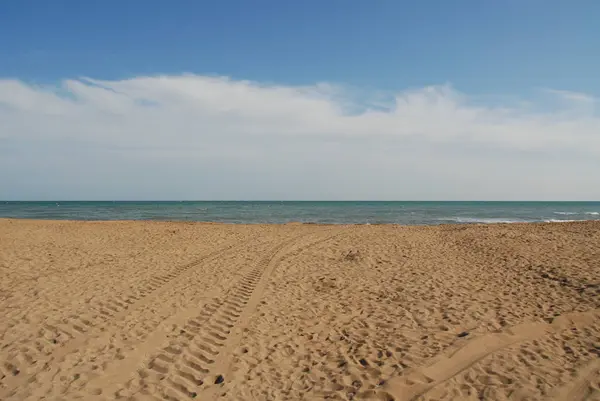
(488, 220)
(498, 220)
(573, 213)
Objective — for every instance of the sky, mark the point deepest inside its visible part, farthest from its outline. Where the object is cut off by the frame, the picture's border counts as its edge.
(307, 100)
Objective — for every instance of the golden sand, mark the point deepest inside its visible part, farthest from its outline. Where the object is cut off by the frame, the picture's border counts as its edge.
(179, 311)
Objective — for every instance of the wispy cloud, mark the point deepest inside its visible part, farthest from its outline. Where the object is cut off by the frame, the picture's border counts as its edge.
(572, 96)
(242, 139)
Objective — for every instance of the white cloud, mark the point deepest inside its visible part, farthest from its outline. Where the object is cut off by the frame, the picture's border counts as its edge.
(198, 137)
(572, 96)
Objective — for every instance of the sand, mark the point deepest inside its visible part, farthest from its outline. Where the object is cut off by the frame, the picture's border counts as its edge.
(179, 311)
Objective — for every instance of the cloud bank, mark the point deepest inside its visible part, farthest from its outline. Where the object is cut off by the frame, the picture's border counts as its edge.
(199, 137)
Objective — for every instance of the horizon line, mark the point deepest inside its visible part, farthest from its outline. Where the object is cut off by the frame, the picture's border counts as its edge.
(282, 201)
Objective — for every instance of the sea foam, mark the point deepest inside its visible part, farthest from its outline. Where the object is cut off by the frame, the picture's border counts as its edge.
(483, 220)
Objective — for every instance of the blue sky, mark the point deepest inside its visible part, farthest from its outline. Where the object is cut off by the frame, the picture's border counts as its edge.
(516, 81)
(503, 46)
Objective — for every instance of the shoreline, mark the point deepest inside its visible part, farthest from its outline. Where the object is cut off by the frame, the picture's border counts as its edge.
(200, 222)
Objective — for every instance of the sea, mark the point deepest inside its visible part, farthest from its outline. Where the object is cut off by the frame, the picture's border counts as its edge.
(251, 212)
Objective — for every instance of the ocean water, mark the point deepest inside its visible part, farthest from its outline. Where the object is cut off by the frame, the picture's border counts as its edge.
(408, 213)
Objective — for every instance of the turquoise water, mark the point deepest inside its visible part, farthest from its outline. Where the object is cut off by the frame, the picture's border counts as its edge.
(414, 213)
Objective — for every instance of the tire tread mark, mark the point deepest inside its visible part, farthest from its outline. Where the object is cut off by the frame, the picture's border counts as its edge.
(214, 326)
(99, 317)
(258, 281)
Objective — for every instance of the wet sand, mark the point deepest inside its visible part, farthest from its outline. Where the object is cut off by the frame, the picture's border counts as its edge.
(179, 311)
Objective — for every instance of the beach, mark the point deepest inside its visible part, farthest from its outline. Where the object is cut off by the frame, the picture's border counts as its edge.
(147, 310)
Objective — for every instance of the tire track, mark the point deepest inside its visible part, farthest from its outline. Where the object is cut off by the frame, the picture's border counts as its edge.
(197, 359)
(224, 362)
(447, 366)
(185, 322)
(72, 332)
